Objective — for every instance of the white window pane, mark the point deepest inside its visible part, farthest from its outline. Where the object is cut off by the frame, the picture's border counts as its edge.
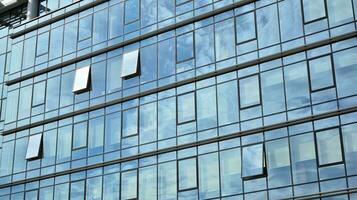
(130, 63)
(81, 79)
(33, 147)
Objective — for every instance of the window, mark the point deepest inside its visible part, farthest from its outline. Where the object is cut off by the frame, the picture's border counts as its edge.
(303, 158)
(253, 165)
(166, 118)
(339, 12)
(230, 167)
(77, 190)
(224, 39)
(187, 174)
(186, 109)
(184, 47)
(313, 9)
(268, 26)
(346, 72)
(129, 184)
(167, 180)
(249, 91)
(34, 147)
(112, 132)
(273, 95)
(350, 147)
(278, 162)
(130, 64)
(291, 25)
(94, 188)
(95, 136)
(81, 79)
(227, 98)
(208, 176)
(111, 186)
(130, 122)
(166, 57)
(148, 123)
(296, 85)
(329, 146)
(321, 73)
(245, 26)
(79, 135)
(148, 182)
(204, 46)
(206, 112)
(64, 144)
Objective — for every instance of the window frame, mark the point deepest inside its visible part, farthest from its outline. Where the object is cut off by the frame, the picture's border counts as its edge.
(338, 128)
(178, 174)
(243, 107)
(127, 59)
(78, 86)
(35, 141)
(264, 163)
(333, 85)
(178, 122)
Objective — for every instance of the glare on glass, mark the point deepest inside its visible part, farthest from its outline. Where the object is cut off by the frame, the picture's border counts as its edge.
(33, 147)
(81, 79)
(130, 63)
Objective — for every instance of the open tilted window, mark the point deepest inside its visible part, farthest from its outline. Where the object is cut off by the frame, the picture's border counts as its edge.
(253, 162)
(81, 80)
(34, 147)
(130, 64)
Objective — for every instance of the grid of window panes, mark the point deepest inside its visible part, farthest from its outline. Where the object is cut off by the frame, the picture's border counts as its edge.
(302, 159)
(106, 24)
(209, 108)
(311, 82)
(318, 156)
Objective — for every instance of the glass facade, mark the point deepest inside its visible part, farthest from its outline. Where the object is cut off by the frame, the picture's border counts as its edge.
(179, 99)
